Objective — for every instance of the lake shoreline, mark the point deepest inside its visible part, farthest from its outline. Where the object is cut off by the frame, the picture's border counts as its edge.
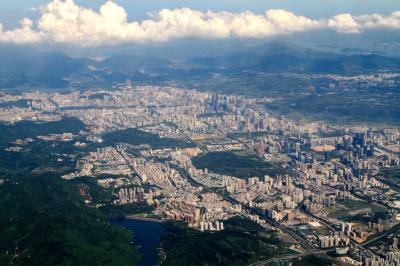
(147, 235)
(141, 218)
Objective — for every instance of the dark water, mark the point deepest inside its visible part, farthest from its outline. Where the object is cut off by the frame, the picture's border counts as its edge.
(147, 236)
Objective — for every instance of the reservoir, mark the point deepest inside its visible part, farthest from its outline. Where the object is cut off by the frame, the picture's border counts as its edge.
(147, 235)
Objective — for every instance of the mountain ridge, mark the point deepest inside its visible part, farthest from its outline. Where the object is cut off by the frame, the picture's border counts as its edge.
(29, 68)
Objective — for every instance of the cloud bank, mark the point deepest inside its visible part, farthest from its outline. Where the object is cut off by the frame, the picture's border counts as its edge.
(63, 21)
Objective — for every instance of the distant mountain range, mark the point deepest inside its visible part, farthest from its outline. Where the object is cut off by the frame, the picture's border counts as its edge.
(278, 58)
(27, 68)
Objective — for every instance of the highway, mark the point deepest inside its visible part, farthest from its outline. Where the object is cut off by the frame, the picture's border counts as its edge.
(232, 200)
(382, 235)
(311, 250)
(291, 257)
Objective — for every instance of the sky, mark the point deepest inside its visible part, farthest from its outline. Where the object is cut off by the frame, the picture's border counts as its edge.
(12, 11)
(101, 22)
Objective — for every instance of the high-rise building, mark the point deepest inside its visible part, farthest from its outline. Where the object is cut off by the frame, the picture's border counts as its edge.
(215, 101)
(395, 245)
(327, 156)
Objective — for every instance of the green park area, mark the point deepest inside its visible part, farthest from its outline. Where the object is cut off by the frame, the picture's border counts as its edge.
(353, 210)
(238, 163)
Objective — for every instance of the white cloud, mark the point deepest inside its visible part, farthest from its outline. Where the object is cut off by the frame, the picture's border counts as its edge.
(63, 21)
(346, 23)
(24, 34)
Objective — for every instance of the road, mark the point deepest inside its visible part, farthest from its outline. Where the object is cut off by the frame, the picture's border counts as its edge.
(382, 235)
(291, 257)
(310, 249)
(329, 225)
(232, 200)
(393, 185)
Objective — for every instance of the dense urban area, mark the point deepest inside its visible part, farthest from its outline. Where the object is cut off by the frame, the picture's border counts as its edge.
(205, 160)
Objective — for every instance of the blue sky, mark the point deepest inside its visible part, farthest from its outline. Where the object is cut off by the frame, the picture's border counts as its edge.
(12, 11)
